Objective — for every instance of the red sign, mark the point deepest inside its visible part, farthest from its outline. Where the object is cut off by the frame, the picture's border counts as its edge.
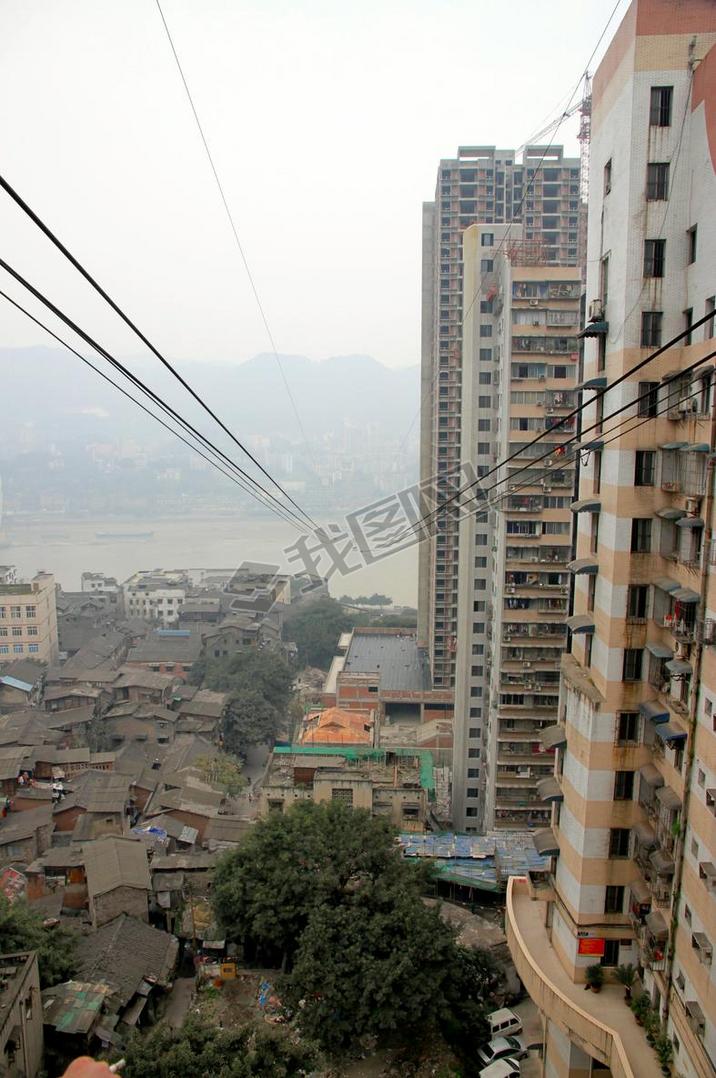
(592, 946)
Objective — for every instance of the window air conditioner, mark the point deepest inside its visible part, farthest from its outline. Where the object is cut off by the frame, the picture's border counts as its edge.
(681, 651)
(692, 506)
(534, 303)
(596, 310)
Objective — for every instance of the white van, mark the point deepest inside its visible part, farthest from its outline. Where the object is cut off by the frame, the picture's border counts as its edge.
(503, 1023)
(502, 1068)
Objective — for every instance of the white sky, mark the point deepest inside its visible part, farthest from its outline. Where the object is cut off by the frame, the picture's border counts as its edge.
(327, 121)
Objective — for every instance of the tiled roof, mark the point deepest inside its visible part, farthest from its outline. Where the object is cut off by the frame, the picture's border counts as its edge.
(124, 953)
(116, 862)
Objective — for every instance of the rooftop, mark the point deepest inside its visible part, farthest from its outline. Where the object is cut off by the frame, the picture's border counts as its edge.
(393, 656)
(126, 953)
(116, 862)
(158, 647)
(376, 763)
(333, 726)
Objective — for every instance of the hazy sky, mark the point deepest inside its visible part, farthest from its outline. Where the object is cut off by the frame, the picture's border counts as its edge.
(327, 121)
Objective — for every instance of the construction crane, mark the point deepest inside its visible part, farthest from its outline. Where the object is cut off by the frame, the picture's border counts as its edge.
(584, 108)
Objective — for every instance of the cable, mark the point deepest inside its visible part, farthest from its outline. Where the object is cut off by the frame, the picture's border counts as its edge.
(128, 321)
(139, 404)
(568, 460)
(234, 229)
(623, 377)
(137, 382)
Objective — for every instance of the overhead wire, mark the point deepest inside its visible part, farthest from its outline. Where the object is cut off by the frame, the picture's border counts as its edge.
(145, 389)
(38, 322)
(575, 411)
(232, 224)
(29, 212)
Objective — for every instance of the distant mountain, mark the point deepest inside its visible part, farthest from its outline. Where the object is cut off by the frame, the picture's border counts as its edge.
(50, 397)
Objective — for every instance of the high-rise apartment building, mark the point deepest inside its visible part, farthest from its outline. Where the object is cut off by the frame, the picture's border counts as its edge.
(28, 618)
(633, 795)
(487, 185)
(513, 579)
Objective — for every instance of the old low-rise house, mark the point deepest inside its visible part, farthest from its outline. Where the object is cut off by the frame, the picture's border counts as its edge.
(54, 763)
(135, 961)
(20, 684)
(73, 1014)
(167, 651)
(103, 794)
(26, 728)
(194, 808)
(118, 879)
(226, 832)
(202, 714)
(69, 696)
(17, 764)
(143, 686)
(71, 725)
(21, 1040)
(237, 632)
(59, 872)
(132, 721)
(24, 836)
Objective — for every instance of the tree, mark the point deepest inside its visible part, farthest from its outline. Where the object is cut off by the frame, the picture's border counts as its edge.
(198, 1049)
(21, 929)
(374, 965)
(223, 771)
(250, 720)
(290, 864)
(315, 627)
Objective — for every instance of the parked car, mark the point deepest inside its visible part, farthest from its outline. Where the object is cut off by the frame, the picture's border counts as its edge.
(504, 1023)
(499, 1047)
(507, 1067)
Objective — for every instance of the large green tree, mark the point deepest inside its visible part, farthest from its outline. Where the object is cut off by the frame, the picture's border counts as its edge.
(315, 626)
(21, 929)
(198, 1050)
(259, 685)
(323, 890)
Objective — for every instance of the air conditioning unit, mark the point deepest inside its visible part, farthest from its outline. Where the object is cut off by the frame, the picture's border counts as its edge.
(542, 378)
(681, 651)
(687, 407)
(534, 303)
(596, 310)
(692, 506)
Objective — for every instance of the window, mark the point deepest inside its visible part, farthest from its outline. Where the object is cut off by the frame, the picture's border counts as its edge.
(709, 308)
(485, 378)
(648, 398)
(473, 772)
(644, 468)
(4, 649)
(17, 649)
(641, 535)
(32, 630)
(30, 611)
(483, 449)
(484, 402)
(486, 355)
(619, 842)
(17, 631)
(15, 611)
(485, 329)
(651, 329)
(701, 777)
(623, 785)
(340, 794)
(611, 953)
(614, 899)
(486, 265)
(2, 611)
(636, 600)
(688, 319)
(657, 181)
(660, 106)
(691, 237)
(608, 177)
(631, 670)
(654, 257)
(487, 239)
(627, 727)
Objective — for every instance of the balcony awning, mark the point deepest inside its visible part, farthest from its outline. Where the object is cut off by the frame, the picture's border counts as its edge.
(645, 835)
(685, 595)
(708, 868)
(659, 651)
(545, 842)
(693, 1009)
(549, 789)
(586, 505)
(651, 776)
(661, 861)
(674, 445)
(583, 565)
(698, 447)
(553, 737)
(657, 925)
(678, 666)
(580, 623)
(670, 375)
(689, 522)
(654, 711)
(588, 447)
(668, 733)
(600, 382)
(595, 329)
(664, 583)
(668, 798)
(640, 892)
(670, 514)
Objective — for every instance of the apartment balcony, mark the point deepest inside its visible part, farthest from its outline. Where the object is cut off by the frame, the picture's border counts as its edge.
(600, 1024)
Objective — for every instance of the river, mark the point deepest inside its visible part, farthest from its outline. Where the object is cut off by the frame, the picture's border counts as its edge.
(68, 548)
